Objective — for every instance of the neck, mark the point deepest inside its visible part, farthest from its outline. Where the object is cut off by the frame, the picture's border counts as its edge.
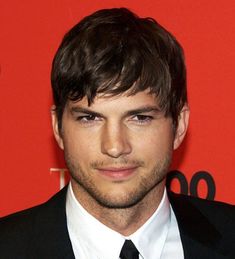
(123, 220)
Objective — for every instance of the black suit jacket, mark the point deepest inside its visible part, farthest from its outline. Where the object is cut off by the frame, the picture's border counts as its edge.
(207, 230)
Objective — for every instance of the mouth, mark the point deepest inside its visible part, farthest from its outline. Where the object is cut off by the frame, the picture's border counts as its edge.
(117, 173)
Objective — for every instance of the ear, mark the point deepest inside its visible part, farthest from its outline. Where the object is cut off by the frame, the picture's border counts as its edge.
(182, 127)
(56, 131)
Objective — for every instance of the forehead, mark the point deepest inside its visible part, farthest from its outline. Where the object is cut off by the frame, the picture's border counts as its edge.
(121, 102)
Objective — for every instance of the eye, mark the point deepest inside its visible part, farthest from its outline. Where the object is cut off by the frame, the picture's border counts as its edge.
(141, 118)
(86, 119)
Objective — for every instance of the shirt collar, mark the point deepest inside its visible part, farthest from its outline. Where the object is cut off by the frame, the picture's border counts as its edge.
(151, 237)
(91, 233)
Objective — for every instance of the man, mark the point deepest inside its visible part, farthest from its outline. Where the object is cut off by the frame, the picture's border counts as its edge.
(120, 109)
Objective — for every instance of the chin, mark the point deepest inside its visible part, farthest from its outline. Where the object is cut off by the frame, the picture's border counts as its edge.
(119, 200)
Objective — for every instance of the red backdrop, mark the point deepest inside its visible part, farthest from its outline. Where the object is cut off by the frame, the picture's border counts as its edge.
(30, 34)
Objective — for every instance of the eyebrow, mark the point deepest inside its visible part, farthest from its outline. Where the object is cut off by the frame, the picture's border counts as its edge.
(144, 109)
(74, 110)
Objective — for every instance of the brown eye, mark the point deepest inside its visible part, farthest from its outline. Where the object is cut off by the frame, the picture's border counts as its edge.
(141, 119)
(144, 117)
(86, 118)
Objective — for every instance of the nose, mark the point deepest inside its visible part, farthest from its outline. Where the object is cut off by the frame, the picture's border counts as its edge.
(115, 142)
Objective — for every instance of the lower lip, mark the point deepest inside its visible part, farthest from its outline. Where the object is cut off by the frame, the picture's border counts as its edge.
(119, 175)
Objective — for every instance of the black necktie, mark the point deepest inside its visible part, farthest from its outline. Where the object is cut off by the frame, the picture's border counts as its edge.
(129, 251)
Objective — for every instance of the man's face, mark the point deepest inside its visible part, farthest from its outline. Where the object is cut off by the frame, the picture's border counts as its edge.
(119, 148)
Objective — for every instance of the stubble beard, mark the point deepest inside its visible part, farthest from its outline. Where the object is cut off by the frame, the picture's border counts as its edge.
(133, 197)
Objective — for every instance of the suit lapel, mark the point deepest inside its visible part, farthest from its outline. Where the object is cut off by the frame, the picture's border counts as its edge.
(51, 235)
(200, 239)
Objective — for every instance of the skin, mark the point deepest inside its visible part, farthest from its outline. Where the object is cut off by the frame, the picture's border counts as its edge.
(118, 151)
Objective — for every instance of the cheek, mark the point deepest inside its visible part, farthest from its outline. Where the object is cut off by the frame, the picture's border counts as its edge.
(154, 142)
(81, 147)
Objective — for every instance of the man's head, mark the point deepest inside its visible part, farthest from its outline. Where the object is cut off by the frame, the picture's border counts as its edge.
(112, 52)
(120, 107)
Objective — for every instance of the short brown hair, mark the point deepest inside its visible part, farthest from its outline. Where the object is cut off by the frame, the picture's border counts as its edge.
(113, 51)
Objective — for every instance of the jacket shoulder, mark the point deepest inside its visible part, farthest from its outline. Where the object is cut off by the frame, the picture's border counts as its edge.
(215, 210)
(25, 219)
(19, 224)
(25, 232)
(206, 226)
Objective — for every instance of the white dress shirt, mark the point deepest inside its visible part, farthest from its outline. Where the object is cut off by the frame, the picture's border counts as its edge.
(158, 238)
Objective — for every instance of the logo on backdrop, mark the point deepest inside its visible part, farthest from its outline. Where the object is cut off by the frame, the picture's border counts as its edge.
(63, 175)
(192, 186)
(186, 186)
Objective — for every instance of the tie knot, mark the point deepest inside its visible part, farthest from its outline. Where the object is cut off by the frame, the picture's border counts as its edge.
(129, 251)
